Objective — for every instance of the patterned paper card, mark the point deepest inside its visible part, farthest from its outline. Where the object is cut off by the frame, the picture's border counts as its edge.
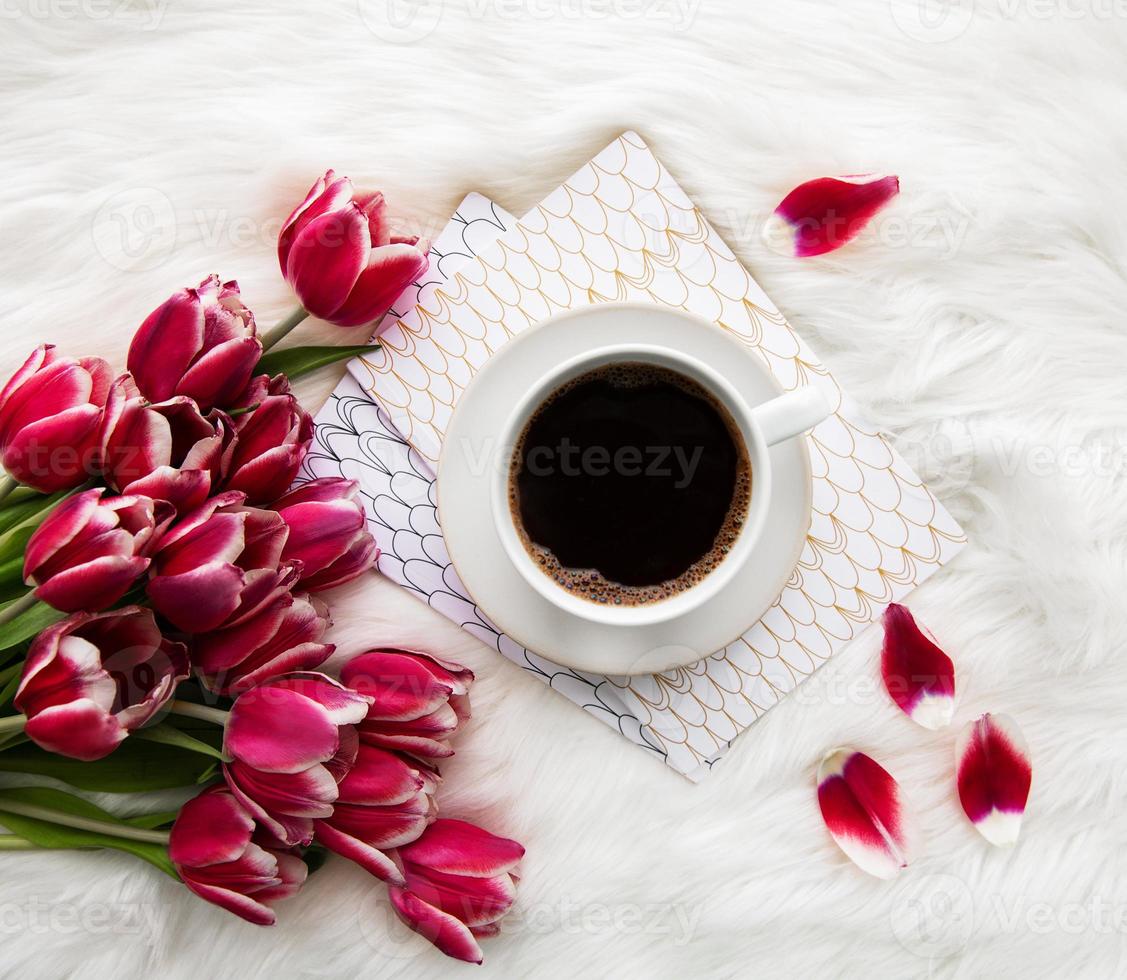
(622, 229)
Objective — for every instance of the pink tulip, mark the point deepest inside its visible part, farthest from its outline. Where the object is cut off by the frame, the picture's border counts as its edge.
(200, 343)
(337, 252)
(92, 679)
(385, 801)
(291, 740)
(219, 565)
(328, 532)
(49, 415)
(261, 387)
(167, 451)
(418, 701)
(460, 884)
(89, 551)
(224, 858)
(268, 449)
(282, 637)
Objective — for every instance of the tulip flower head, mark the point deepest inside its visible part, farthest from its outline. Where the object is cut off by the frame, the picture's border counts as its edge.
(291, 740)
(282, 637)
(49, 417)
(91, 679)
(219, 565)
(337, 252)
(89, 550)
(418, 701)
(167, 451)
(460, 883)
(200, 343)
(268, 449)
(328, 533)
(384, 801)
(222, 856)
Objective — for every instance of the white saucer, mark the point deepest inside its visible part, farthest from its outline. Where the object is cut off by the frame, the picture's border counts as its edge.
(464, 498)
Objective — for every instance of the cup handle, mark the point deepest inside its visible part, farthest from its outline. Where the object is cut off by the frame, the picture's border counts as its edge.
(791, 413)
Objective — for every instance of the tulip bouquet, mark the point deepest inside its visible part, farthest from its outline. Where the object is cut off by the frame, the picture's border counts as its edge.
(162, 621)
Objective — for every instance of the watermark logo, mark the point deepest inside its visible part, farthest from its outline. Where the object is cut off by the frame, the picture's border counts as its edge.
(135, 229)
(932, 21)
(932, 916)
(401, 21)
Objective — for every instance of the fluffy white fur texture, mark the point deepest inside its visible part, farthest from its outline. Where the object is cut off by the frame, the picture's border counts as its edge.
(980, 322)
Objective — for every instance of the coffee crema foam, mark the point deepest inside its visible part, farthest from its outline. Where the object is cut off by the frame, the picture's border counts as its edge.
(590, 583)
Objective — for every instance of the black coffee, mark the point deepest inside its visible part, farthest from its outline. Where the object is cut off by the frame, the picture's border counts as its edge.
(629, 484)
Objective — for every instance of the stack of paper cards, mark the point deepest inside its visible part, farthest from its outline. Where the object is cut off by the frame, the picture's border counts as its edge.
(622, 229)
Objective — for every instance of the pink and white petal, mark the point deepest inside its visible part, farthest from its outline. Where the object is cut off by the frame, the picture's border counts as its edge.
(65, 521)
(212, 828)
(443, 931)
(293, 871)
(864, 812)
(93, 586)
(344, 706)
(326, 258)
(994, 774)
(389, 270)
(184, 489)
(823, 214)
(221, 539)
(379, 778)
(220, 376)
(241, 905)
(276, 730)
(918, 676)
(200, 600)
(80, 729)
(371, 859)
(457, 847)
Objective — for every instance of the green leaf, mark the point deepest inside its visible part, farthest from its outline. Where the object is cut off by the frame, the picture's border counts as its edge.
(16, 512)
(296, 361)
(27, 625)
(167, 735)
(134, 767)
(47, 834)
(152, 821)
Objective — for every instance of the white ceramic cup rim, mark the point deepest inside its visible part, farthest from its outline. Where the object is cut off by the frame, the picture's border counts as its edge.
(755, 444)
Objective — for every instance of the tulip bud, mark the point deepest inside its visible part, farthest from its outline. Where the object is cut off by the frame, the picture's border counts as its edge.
(225, 859)
(385, 801)
(337, 252)
(282, 637)
(268, 449)
(167, 451)
(89, 551)
(200, 343)
(418, 701)
(291, 741)
(460, 884)
(49, 415)
(91, 679)
(219, 565)
(328, 533)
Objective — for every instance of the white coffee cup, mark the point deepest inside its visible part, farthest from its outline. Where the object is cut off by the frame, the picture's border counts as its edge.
(764, 418)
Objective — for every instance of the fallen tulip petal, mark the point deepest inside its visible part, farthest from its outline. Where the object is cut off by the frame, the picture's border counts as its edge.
(823, 214)
(993, 774)
(918, 676)
(864, 812)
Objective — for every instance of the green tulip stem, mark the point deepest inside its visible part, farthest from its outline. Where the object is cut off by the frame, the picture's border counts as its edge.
(217, 716)
(12, 723)
(82, 823)
(7, 486)
(17, 608)
(272, 336)
(13, 842)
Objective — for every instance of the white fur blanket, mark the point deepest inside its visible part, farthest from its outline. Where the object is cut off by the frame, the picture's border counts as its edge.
(150, 142)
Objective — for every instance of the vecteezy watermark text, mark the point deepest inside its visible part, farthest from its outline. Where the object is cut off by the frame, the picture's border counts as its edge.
(570, 460)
